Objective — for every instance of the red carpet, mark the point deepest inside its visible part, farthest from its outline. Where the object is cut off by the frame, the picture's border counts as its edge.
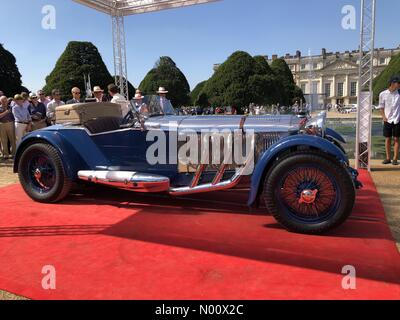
(110, 244)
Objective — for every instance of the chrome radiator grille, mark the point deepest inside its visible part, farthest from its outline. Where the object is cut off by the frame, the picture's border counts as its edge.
(266, 140)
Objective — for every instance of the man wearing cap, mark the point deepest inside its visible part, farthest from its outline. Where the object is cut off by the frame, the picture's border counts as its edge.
(22, 118)
(7, 128)
(53, 104)
(38, 112)
(389, 105)
(76, 96)
(118, 98)
(165, 104)
(99, 94)
(42, 98)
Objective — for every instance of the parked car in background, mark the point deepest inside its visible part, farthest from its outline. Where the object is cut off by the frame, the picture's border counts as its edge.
(350, 108)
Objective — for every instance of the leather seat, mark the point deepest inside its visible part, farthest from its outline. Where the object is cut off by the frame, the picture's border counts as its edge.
(104, 124)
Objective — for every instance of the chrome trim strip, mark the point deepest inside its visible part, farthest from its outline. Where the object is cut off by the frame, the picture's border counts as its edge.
(80, 127)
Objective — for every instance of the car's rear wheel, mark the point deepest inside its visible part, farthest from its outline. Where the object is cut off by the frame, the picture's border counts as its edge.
(42, 174)
(309, 192)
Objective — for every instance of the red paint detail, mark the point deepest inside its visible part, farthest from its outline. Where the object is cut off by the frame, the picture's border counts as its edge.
(325, 195)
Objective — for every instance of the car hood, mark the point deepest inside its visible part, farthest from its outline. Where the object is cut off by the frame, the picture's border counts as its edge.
(282, 123)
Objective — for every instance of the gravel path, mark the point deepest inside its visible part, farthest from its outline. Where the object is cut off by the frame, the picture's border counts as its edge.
(387, 181)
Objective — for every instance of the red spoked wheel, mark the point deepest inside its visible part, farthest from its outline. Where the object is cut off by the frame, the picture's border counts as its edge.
(309, 192)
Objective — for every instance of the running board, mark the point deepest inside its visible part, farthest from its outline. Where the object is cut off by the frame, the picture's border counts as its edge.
(135, 181)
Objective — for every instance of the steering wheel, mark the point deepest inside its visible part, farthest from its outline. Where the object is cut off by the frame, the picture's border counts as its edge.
(128, 118)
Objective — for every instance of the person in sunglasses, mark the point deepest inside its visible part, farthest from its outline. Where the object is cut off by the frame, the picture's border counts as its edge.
(42, 98)
(76, 96)
(38, 112)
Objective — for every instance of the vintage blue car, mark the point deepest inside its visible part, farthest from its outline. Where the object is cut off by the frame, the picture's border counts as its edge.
(294, 164)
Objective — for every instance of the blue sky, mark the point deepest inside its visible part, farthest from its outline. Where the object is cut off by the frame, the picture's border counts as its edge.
(194, 37)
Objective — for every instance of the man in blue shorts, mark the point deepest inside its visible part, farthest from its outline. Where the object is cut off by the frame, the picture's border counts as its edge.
(389, 106)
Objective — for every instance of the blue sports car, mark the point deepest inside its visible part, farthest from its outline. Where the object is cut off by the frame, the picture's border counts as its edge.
(294, 164)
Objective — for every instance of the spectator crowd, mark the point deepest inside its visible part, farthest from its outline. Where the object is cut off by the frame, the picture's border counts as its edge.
(25, 112)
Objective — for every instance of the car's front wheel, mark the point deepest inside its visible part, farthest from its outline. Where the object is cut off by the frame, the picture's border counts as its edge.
(42, 174)
(309, 192)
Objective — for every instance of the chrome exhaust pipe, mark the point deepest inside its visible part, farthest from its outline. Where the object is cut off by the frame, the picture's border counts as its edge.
(135, 181)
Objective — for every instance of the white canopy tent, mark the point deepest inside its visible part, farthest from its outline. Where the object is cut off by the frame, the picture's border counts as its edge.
(118, 9)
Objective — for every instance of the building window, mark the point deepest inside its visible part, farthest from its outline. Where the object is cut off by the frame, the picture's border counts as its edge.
(303, 87)
(327, 90)
(314, 87)
(353, 89)
(315, 65)
(382, 61)
(340, 91)
(303, 66)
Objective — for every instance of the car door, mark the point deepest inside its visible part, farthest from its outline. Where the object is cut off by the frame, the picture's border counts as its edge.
(126, 149)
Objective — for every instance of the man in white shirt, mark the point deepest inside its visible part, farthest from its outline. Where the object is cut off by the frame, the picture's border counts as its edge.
(118, 98)
(389, 106)
(53, 104)
(42, 98)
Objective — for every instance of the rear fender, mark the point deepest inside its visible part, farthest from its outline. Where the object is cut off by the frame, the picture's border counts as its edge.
(73, 160)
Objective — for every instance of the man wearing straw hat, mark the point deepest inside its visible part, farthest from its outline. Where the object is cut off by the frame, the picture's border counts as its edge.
(165, 104)
(140, 106)
(99, 94)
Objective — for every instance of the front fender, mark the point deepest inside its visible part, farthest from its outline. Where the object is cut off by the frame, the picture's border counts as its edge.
(335, 135)
(70, 158)
(285, 144)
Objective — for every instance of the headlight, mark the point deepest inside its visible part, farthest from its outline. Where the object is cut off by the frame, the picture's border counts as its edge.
(316, 126)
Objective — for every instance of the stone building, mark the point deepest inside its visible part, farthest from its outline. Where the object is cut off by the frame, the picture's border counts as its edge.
(332, 77)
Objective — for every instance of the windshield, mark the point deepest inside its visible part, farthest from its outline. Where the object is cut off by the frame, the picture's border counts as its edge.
(153, 105)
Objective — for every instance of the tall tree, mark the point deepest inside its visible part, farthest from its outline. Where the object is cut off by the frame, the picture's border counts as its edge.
(166, 74)
(261, 66)
(78, 59)
(266, 88)
(195, 94)
(10, 77)
(242, 80)
(382, 81)
(285, 76)
(230, 83)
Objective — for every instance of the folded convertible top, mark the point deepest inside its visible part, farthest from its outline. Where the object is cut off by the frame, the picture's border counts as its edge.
(81, 113)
